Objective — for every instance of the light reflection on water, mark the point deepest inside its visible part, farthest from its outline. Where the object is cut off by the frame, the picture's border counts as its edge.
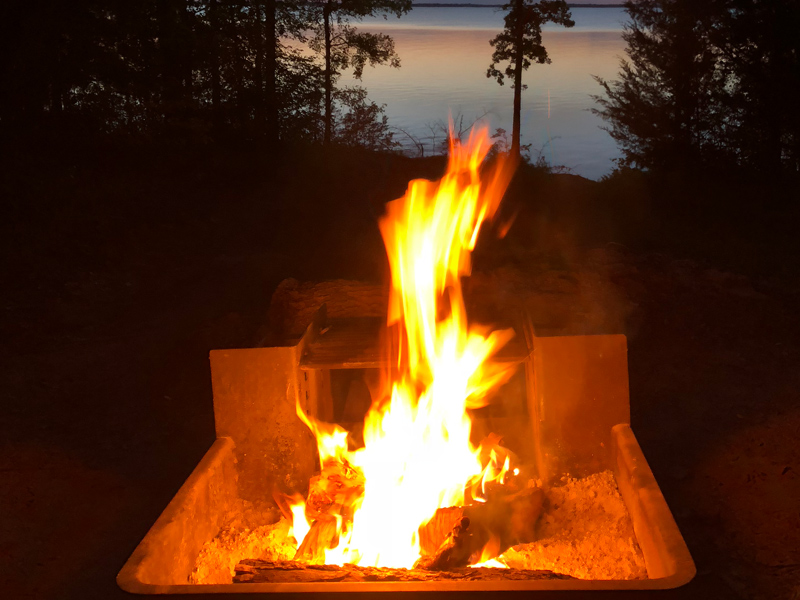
(445, 53)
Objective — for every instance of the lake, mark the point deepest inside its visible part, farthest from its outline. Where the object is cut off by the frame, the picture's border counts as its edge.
(445, 52)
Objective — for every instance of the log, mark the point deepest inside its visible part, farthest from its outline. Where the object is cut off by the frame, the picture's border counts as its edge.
(457, 549)
(293, 304)
(334, 490)
(510, 518)
(323, 535)
(433, 533)
(263, 571)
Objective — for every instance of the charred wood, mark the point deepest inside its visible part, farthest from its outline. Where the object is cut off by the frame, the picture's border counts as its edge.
(509, 519)
(335, 489)
(457, 549)
(262, 571)
(433, 533)
(322, 536)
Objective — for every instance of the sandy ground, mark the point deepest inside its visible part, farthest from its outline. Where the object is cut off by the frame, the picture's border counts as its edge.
(107, 400)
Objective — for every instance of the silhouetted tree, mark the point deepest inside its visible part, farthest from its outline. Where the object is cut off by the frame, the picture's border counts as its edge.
(47, 50)
(520, 43)
(707, 84)
(343, 46)
(361, 122)
(760, 46)
(666, 108)
(184, 69)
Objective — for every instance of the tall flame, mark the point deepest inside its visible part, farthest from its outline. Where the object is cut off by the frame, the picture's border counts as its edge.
(417, 454)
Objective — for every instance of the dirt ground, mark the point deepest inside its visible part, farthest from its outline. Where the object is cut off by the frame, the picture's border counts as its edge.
(106, 325)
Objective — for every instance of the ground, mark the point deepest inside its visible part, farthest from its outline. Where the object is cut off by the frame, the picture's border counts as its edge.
(118, 285)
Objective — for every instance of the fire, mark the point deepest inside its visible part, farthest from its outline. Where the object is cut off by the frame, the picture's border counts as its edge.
(300, 525)
(417, 455)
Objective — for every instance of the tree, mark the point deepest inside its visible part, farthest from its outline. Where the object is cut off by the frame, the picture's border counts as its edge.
(760, 52)
(183, 69)
(520, 43)
(363, 123)
(343, 46)
(707, 85)
(666, 109)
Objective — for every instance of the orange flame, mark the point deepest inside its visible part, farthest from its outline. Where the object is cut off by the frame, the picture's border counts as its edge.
(489, 554)
(300, 525)
(417, 455)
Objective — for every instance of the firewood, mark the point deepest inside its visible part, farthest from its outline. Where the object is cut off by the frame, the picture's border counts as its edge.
(323, 535)
(510, 518)
(262, 571)
(339, 485)
(433, 533)
(457, 549)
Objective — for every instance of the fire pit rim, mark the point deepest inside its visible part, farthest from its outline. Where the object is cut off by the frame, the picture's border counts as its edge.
(220, 457)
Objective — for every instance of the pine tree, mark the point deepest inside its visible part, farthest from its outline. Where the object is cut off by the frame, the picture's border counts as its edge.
(666, 110)
(520, 44)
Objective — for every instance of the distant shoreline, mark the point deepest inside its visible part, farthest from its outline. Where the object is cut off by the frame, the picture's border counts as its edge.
(473, 5)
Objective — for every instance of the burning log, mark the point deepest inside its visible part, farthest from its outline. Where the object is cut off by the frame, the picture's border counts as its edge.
(509, 519)
(338, 485)
(433, 533)
(322, 536)
(455, 551)
(262, 571)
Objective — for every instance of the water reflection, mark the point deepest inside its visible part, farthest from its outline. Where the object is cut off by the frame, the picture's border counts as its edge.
(445, 53)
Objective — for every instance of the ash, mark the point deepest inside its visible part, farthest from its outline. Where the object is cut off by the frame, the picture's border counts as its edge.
(585, 532)
(236, 542)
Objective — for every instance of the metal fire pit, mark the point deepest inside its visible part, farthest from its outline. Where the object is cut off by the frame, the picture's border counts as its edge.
(576, 389)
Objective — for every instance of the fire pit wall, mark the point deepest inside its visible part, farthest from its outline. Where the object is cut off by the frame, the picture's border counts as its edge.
(578, 405)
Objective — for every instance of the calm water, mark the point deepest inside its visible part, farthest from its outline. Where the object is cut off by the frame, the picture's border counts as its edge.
(445, 53)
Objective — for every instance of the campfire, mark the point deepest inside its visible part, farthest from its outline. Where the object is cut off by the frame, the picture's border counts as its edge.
(420, 490)
(392, 502)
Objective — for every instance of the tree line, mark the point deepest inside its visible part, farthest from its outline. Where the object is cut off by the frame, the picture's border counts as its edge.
(249, 68)
(263, 69)
(708, 86)
(705, 85)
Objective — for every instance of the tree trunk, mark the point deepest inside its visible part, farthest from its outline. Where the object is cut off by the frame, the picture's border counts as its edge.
(518, 50)
(172, 58)
(326, 15)
(213, 15)
(270, 66)
(259, 74)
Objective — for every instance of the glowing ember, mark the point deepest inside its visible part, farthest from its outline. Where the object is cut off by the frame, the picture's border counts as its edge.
(417, 456)
(492, 563)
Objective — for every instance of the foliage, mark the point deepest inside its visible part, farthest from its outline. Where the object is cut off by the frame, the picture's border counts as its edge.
(185, 69)
(299, 87)
(707, 85)
(343, 46)
(522, 35)
(360, 122)
(665, 108)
